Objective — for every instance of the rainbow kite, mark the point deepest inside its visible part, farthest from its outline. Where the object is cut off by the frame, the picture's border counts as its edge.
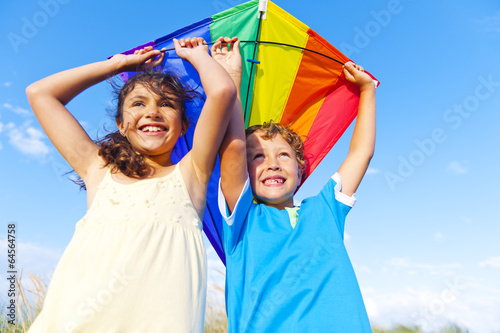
(290, 75)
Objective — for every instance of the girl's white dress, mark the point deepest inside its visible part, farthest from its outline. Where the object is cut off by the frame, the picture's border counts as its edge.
(136, 263)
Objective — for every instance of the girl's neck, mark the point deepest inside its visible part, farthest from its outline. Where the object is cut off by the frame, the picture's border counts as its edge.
(158, 163)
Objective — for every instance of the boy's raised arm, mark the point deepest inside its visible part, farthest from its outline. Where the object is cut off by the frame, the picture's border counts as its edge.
(232, 152)
(362, 144)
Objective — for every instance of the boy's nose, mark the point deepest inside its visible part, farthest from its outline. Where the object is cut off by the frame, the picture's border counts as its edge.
(273, 165)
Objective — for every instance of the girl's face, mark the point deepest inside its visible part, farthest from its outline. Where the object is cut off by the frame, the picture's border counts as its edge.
(273, 170)
(151, 124)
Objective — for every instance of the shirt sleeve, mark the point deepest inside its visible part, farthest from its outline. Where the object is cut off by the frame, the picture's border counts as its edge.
(235, 222)
(339, 203)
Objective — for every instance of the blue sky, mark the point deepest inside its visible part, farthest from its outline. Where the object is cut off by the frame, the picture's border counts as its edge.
(423, 236)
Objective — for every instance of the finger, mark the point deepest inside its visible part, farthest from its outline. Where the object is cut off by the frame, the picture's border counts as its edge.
(217, 42)
(200, 41)
(177, 44)
(350, 68)
(236, 47)
(348, 75)
(216, 45)
(150, 55)
(158, 61)
(226, 43)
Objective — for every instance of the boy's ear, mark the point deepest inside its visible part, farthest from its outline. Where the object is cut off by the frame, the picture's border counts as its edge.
(300, 173)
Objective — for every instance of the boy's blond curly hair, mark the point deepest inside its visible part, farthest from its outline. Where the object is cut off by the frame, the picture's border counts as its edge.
(271, 129)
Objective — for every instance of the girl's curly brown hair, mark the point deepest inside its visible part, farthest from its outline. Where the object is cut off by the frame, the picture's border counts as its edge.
(271, 129)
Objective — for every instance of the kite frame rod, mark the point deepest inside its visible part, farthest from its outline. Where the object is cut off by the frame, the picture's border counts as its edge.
(275, 43)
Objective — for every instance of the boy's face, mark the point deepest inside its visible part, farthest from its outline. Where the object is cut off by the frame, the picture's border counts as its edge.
(273, 169)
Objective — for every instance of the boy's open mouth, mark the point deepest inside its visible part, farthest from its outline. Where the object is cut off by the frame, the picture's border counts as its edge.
(274, 181)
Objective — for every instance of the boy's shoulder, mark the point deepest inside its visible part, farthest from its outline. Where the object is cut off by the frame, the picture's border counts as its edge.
(331, 193)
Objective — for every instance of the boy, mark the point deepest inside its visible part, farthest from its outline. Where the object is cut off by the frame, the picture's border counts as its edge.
(287, 269)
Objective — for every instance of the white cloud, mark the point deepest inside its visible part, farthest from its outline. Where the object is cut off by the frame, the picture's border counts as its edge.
(363, 269)
(458, 168)
(16, 109)
(466, 219)
(28, 140)
(34, 258)
(407, 266)
(438, 236)
(491, 23)
(431, 309)
(493, 262)
(372, 171)
(31, 259)
(1, 127)
(7, 84)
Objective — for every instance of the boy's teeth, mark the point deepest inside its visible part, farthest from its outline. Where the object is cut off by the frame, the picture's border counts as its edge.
(273, 181)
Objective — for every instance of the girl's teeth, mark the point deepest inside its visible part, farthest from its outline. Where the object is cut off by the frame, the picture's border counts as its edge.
(151, 129)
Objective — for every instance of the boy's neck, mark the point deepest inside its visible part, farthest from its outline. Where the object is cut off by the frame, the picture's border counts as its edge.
(280, 206)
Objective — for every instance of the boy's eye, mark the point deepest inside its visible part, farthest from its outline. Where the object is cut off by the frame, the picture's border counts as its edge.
(284, 155)
(256, 156)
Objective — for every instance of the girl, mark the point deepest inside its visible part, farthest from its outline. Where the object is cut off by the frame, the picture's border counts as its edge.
(136, 262)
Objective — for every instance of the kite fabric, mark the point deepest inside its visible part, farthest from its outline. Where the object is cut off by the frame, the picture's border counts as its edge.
(290, 75)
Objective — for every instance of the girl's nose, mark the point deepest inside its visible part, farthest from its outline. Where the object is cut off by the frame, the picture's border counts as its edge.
(153, 113)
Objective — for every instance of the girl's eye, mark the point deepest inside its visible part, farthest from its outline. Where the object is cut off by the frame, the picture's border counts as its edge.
(138, 103)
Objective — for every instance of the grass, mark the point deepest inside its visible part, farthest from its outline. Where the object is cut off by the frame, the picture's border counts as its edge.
(29, 303)
(215, 313)
(452, 328)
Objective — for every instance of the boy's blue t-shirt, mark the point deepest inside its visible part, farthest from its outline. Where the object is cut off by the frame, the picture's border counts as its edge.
(284, 279)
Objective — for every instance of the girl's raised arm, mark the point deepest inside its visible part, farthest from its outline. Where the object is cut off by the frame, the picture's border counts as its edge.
(49, 96)
(198, 165)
